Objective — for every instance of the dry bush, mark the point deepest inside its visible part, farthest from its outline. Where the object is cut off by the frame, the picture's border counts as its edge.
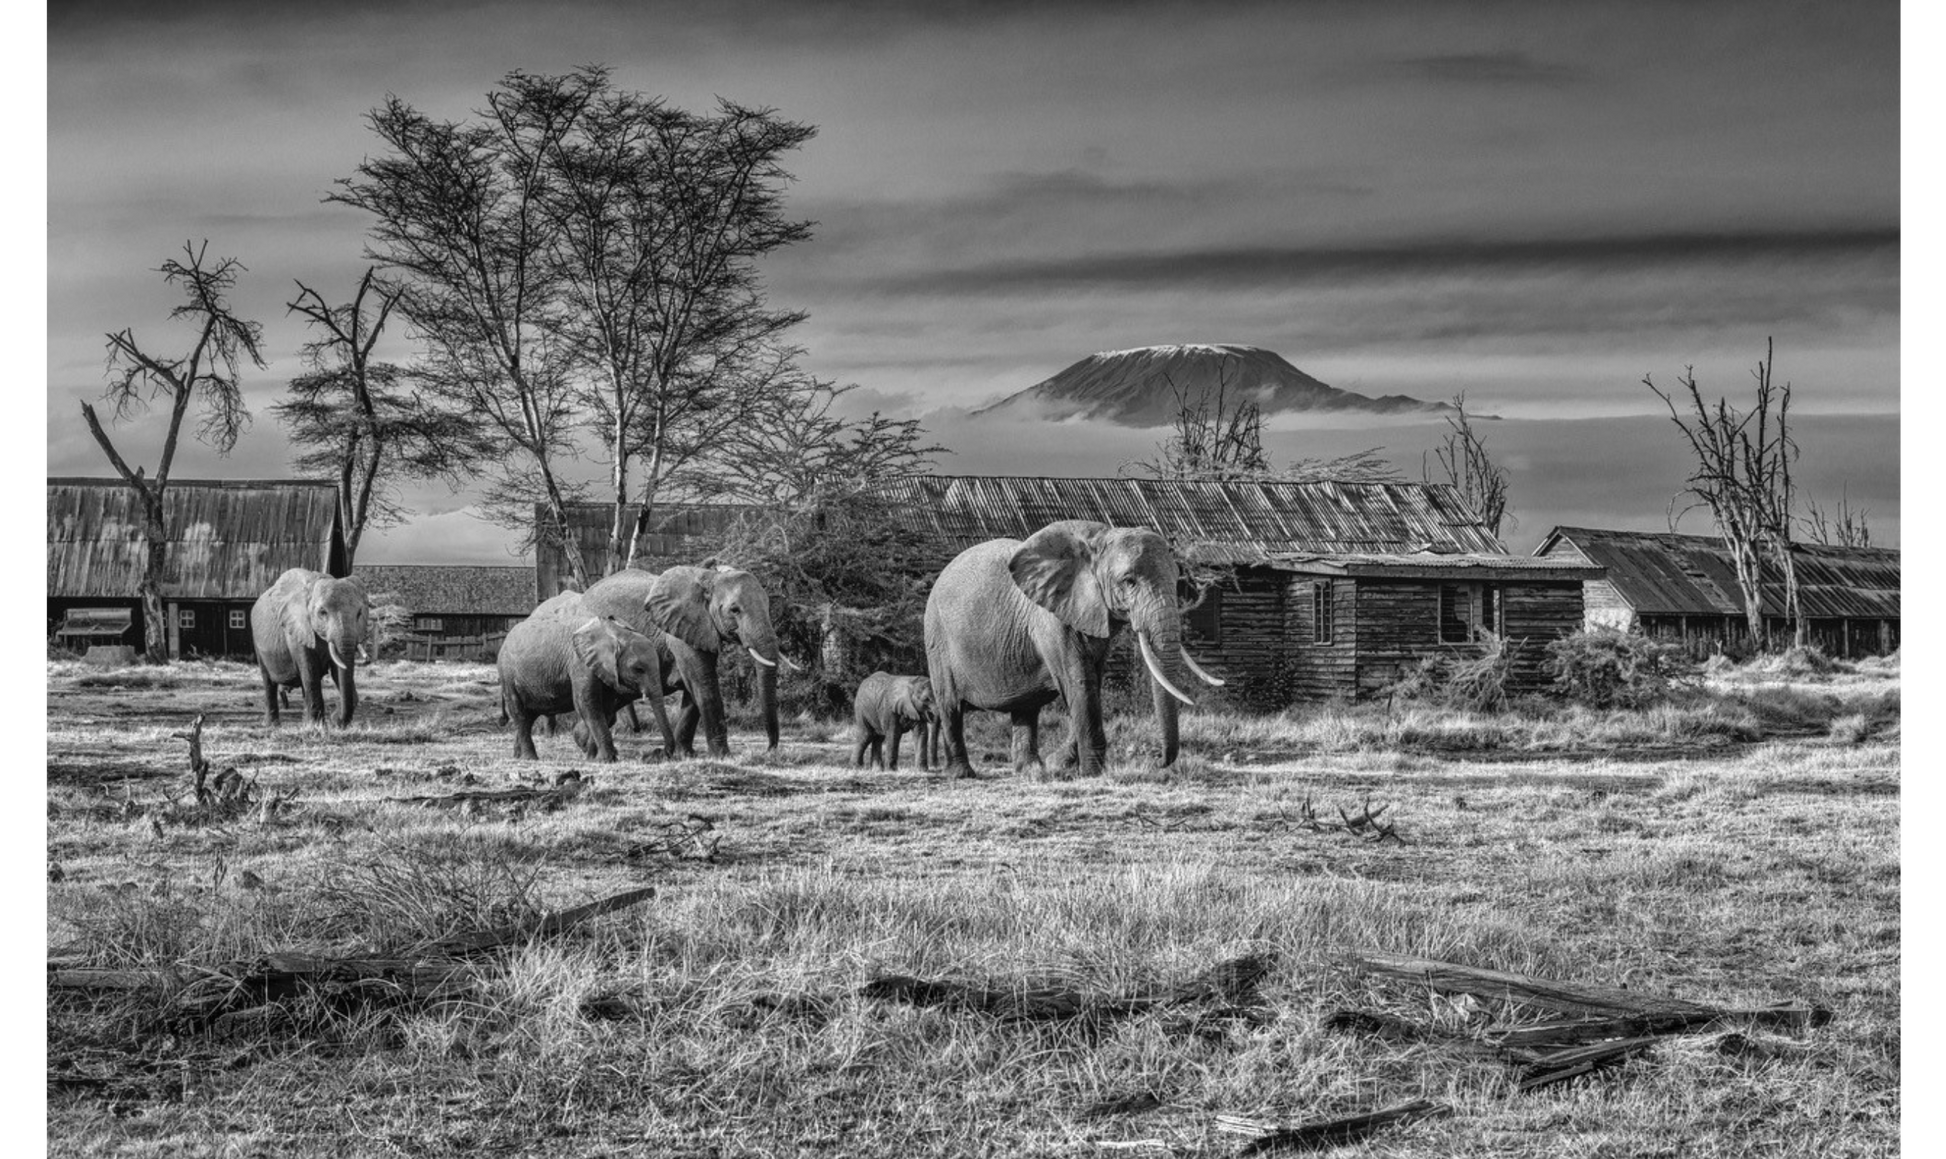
(1606, 668)
(1469, 683)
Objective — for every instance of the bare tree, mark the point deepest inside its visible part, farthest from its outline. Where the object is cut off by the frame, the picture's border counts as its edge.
(1218, 437)
(1848, 526)
(1465, 463)
(1743, 478)
(661, 216)
(209, 370)
(364, 422)
(460, 210)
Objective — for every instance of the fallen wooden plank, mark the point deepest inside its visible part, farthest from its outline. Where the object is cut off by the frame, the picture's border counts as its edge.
(548, 926)
(1329, 1133)
(1231, 981)
(487, 797)
(1596, 1029)
(1569, 997)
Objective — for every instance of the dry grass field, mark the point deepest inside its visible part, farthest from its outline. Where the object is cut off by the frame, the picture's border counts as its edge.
(1739, 848)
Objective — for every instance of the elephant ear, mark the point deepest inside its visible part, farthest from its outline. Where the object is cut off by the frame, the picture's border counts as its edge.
(598, 648)
(1055, 569)
(678, 603)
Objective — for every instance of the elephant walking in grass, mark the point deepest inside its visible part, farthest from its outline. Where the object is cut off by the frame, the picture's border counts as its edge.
(305, 624)
(695, 613)
(1013, 625)
(885, 707)
(561, 658)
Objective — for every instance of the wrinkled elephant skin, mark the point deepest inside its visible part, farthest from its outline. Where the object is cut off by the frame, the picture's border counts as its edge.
(304, 625)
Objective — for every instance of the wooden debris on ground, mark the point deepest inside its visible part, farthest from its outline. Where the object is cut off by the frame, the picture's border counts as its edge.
(256, 990)
(1326, 1133)
(547, 798)
(1363, 825)
(1230, 984)
(1608, 1024)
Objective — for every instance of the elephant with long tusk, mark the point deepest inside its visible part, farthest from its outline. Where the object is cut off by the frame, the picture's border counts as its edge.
(307, 624)
(1013, 625)
(698, 614)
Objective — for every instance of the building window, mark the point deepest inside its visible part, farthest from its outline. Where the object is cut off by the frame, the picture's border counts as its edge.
(239, 618)
(1206, 618)
(1322, 613)
(428, 624)
(1467, 611)
(185, 618)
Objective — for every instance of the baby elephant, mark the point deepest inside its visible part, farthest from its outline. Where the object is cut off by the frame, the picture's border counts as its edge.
(572, 661)
(888, 706)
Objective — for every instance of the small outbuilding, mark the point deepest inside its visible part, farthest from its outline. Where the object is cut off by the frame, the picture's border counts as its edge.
(451, 611)
(229, 539)
(1684, 587)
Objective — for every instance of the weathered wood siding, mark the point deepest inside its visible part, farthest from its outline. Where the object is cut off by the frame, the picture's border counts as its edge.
(1398, 624)
(1602, 605)
(1532, 615)
(1250, 651)
(1320, 671)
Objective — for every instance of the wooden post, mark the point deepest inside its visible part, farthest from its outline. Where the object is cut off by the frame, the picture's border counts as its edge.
(174, 612)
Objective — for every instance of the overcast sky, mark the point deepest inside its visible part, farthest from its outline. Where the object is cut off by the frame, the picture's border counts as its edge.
(1536, 202)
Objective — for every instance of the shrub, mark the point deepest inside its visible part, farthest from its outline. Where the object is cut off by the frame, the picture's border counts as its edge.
(1474, 683)
(1606, 668)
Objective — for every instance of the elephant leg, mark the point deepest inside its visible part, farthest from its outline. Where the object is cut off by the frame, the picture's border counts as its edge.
(634, 721)
(957, 764)
(1027, 742)
(686, 721)
(347, 686)
(1085, 725)
(892, 742)
(660, 711)
(523, 722)
(311, 677)
(592, 732)
(864, 742)
(270, 696)
(548, 724)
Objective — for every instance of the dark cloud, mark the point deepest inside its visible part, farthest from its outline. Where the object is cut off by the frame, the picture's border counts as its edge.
(1271, 265)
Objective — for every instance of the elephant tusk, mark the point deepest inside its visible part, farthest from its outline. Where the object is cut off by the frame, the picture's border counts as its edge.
(363, 654)
(335, 657)
(789, 663)
(1155, 669)
(759, 657)
(1198, 670)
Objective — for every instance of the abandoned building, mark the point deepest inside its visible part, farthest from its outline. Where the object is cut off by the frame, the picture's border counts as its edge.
(1684, 587)
(1326, 589)
(229, 539)
(449, 611)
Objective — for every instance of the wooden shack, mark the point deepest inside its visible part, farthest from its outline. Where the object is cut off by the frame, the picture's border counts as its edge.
(1684, 587)
(1326, 589)
(229, 539)
(452, 611)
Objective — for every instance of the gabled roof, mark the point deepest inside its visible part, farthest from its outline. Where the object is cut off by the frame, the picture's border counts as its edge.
(452, 589)
(1237, 522)
(1665, 574)
(229, 538)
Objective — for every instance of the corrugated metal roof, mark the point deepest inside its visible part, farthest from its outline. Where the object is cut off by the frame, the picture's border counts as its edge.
(229, 538)
(1219, 522)
(1665, 574)
(454, 590)
(1215, 522)
(1429, 565)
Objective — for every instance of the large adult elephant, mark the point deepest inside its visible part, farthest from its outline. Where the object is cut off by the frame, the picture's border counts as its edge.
(303, 625)
(562, 657)
(698, 612)
(1011, 625)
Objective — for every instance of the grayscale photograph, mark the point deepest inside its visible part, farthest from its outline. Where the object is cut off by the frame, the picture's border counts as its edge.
(868, 579)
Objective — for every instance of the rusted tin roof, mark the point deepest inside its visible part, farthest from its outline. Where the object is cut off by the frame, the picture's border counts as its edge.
(1665, 574)
(1432, 565)
(453, 590)
(1213, 522)
(228, 538)
(1216, 522)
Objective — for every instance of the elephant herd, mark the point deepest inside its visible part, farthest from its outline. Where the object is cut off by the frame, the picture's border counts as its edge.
(1010, 626)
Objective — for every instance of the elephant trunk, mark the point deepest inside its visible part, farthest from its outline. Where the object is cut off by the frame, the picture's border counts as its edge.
(763, 649)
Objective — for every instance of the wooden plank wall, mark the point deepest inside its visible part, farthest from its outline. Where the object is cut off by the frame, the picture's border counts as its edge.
(1251, 655)
(1532, 615)
(1321, 671)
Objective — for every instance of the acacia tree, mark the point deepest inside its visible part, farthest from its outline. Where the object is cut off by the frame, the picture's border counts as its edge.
(208, 371)
(1466, 465)
(661, 215)
(821, 534)
(1743, 478)
(460, 210)
(364, 422)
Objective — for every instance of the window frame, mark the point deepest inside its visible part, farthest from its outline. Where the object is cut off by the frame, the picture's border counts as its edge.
(1324, 612)
(239, 619)
(429, 624)
(1206, 617)
(1483, 610)
(185, 618)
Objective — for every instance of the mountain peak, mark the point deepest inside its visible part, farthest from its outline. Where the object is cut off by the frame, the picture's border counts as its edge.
(1137, 387)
